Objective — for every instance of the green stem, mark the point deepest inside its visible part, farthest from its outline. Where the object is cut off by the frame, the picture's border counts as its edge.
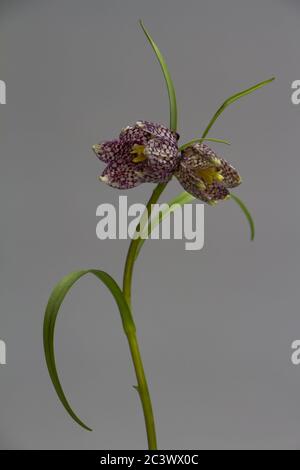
(131, 256)
(142, 388)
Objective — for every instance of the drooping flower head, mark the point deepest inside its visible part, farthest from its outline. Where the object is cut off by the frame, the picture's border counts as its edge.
(145, 152)
(205, 175)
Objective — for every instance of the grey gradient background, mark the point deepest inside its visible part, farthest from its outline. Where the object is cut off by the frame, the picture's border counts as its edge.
(215, 326)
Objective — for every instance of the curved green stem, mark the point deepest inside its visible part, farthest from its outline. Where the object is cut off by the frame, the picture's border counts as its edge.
(134, 245)
(132, 255)
(142, 388)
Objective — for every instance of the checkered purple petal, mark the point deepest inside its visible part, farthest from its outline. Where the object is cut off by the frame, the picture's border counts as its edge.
(231, 176)
(113, 151)
(199, 156)
(191, 173)
(163, 156)
(142, 131)
(108, 151)
(205, 192)
(122, 176)
(158, 147)
(159, 131)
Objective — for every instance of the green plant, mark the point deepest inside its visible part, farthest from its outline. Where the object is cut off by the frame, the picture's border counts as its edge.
(123, 296)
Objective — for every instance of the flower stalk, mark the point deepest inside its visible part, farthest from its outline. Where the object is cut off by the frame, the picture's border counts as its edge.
(142, 388)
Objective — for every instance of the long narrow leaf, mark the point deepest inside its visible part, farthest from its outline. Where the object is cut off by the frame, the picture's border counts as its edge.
(247, 214)
(232, 99)
(180, 200)
(195, 141)
(57, 297)
(168, 79)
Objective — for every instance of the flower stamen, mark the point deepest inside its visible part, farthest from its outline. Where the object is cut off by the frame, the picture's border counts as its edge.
(139, 152)
(209, 175)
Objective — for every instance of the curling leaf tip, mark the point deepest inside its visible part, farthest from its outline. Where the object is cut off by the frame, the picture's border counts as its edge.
(55, 301)
(247, 213)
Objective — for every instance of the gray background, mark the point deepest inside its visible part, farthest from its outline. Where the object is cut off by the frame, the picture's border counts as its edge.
(215, 326)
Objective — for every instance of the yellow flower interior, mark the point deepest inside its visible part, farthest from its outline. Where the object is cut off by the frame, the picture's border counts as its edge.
(209, 175)
(139, 153)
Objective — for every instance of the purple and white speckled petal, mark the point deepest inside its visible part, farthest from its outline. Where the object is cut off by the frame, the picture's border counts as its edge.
(199, 156)
(216, 192)
(142, 131)
(205, 175)
(113, 150)
(145, 152)
(230, 174)
(163, 156)
(207, 193)
(134, 135)
(122, 176)
(159, 131)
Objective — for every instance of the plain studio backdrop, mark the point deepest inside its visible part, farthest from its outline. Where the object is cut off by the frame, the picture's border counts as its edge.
(215, 326)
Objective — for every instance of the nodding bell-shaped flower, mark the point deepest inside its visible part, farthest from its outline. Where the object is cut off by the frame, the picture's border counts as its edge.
(144, 153)
(205, 175)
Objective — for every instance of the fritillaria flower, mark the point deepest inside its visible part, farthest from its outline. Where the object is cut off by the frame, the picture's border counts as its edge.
(148, 153)
(205, 175)
(144, 153)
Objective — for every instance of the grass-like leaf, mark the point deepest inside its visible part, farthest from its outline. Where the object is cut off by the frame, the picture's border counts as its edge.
(54, 303)
(168, 79)
(231, 100)
(174, 204)
(246, 211)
